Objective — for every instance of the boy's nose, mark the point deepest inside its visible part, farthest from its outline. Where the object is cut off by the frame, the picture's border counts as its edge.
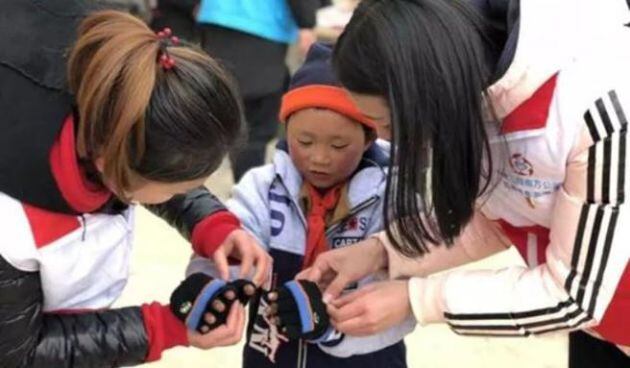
(320, 157)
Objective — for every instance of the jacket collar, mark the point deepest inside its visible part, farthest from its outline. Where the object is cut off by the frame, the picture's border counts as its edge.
(366, 182)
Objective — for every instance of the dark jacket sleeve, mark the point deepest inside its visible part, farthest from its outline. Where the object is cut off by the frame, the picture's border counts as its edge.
(304, 12)
(184, 6)
(183, 212)
(34, 339)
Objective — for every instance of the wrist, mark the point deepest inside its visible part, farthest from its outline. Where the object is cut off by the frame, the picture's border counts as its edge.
(210, 233)
(164, 330)
(378, 253)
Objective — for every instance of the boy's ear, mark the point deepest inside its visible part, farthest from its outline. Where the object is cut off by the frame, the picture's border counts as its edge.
(370, 138)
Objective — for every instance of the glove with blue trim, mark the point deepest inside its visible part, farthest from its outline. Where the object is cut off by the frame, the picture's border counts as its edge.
(299, 312)
(203, 303)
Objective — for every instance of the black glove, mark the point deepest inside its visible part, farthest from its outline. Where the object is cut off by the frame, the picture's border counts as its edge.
(298, 310)
(200, 294)
(245, 290)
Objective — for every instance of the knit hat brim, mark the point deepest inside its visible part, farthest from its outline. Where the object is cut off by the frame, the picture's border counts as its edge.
(325, 97)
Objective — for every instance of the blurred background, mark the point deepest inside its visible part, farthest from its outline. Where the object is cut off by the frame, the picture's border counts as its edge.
(262, 69)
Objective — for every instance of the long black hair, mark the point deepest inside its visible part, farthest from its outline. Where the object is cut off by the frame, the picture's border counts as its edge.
(431, 60)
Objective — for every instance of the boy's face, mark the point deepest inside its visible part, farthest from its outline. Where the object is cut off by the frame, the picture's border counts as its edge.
(326, 147)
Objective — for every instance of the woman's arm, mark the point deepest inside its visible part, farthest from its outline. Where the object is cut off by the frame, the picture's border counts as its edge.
(31, 338)
(200, 217)
(481, 238)
(336, 269)
(586, 258)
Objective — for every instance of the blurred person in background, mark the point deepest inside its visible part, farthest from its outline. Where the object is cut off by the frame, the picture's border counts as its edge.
(251, 38)
(123, 117)
(333, 18)
(179, 16)
(139, 8)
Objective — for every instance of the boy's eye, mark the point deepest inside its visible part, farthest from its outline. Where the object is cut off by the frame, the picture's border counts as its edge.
(339, 146)
(305, 143)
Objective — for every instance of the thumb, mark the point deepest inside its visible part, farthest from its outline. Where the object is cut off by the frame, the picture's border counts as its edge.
(335, 288)
(313, 274)
(220, 260)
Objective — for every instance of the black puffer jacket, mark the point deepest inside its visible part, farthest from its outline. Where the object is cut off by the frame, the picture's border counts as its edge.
(34, 102)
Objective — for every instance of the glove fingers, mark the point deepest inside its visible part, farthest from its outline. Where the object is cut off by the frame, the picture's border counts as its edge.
(293, 332)
(193, 297)
(245, 290)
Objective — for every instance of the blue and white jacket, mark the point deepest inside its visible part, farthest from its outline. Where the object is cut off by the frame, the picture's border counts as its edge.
(267, 202)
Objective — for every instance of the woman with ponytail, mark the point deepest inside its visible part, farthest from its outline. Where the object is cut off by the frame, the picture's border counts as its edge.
(509, 122)
(143, 119)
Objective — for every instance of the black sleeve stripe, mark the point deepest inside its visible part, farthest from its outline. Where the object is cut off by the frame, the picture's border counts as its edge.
(606, 172)
(577, 246)
(603, 114)
(621, 179)
(567, 316)
(590, 123)
(623, 121)
(590, 179)
(607, 125)
(590, 256)
(522, 332)
(596, 226)
(515, 315)
(606, 253)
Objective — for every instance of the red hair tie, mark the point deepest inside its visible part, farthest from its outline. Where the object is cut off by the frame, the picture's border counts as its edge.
(166, 39)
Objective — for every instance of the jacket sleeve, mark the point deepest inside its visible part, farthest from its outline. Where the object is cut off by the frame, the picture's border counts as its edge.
(200, 217)
(481, 238)
(34, 339)
(586, 257)
(304, 12)
(250, 203)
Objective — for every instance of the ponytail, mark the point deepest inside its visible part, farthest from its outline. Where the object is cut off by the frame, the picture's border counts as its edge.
(140, 118)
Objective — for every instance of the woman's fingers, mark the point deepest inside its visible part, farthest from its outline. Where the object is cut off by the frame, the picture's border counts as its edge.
(247, 260)
(264, 262)
(230, 295)
(221, 263)
(352, 296)
(336, 287)
(348, 312)
(209, 318)
(249, 290)
(355, 327)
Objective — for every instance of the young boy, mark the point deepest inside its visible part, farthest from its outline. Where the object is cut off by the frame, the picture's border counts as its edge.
(324, 189)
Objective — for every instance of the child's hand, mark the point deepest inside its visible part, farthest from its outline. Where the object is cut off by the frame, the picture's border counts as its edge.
(242, 246)
(298, 311)
(203, 303)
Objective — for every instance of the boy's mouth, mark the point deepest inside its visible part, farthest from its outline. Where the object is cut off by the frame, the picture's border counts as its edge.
(319, 174)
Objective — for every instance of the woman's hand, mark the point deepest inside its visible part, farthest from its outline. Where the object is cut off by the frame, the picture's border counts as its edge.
(228, 334)
(336, 269)
(242, 246)
(371, 309)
